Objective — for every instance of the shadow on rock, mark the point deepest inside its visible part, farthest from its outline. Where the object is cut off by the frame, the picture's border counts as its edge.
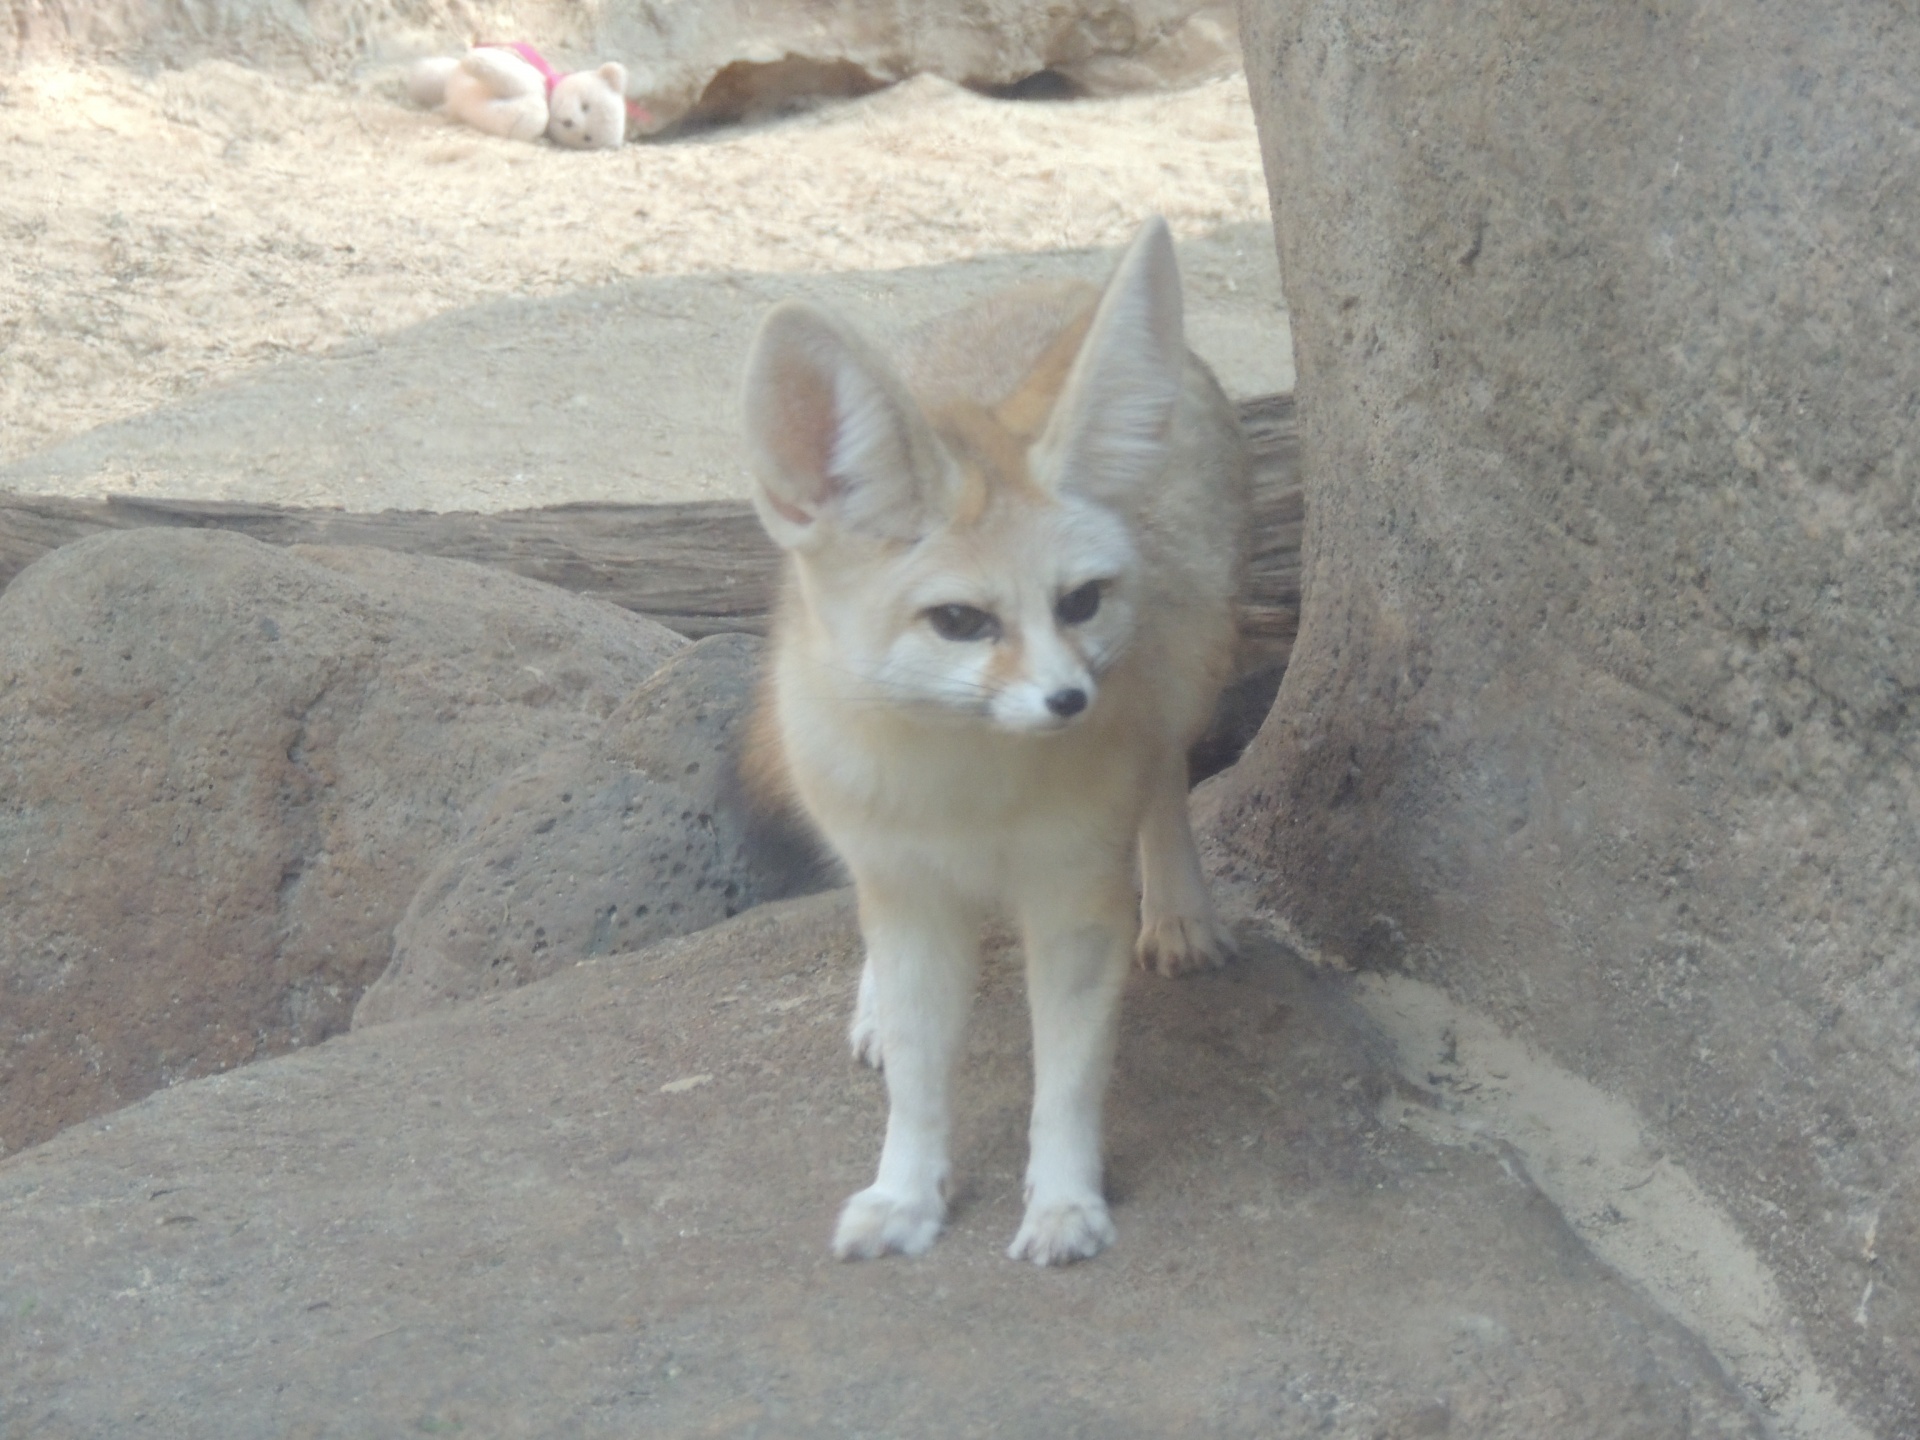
(641, 833)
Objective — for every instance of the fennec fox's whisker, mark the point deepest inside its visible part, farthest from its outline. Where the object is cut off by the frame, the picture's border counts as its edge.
(1013, 553)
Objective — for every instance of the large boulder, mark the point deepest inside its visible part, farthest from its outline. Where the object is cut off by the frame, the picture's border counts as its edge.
(599, 1205)
(1602, 714)
(224, 771)
(642, 832)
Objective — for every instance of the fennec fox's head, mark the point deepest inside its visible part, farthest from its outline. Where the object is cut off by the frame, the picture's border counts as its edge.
(971, 560)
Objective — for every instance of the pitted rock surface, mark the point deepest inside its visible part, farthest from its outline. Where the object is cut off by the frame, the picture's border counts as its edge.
(641, 833)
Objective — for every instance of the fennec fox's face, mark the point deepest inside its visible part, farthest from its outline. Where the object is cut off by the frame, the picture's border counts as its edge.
(971, 561)
(1010, 614)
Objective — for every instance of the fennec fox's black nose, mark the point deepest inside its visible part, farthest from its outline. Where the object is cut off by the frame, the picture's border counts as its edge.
(1067, 702)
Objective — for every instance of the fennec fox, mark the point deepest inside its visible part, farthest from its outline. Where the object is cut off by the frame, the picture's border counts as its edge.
(1009, 610)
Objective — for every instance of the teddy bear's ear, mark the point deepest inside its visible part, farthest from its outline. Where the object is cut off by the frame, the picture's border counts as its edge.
(615, 74)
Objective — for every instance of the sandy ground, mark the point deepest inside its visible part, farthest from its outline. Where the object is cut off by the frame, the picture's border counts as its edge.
(161, 234)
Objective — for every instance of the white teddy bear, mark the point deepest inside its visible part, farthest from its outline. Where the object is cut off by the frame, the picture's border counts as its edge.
(510, 91)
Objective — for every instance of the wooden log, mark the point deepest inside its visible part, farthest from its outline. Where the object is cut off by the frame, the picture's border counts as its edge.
(699, 568)
(1270, 606)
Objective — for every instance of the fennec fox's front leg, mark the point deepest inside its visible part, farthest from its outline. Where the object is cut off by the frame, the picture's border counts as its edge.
(1179, 931)
(922, 960)
(1076, 942)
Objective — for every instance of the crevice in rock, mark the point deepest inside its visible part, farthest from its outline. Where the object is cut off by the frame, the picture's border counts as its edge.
(1042, 85)
(746, 90)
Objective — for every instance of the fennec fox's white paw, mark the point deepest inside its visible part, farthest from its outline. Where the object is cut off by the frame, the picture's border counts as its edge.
(1180, 944)
(875, 1223)
(1062, 1231)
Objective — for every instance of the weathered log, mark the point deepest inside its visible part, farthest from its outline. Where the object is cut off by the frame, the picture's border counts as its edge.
(700, 568)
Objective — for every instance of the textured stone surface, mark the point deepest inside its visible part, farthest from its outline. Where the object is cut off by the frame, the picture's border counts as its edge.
(728, 57)
(1602, 712)
(640, 833)
(224, 769)
(599, 1206)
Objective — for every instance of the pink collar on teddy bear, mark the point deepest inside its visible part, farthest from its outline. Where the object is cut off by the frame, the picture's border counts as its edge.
(636, 112)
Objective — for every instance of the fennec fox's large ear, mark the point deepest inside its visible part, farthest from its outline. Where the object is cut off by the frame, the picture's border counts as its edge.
(836, 441)
(1111, 427)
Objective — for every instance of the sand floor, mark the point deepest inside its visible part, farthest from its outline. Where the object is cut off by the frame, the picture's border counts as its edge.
(163, 234)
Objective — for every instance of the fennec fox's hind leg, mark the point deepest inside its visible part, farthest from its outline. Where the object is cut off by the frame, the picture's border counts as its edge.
(1076, 946)
(1179, 931)
(923, 955)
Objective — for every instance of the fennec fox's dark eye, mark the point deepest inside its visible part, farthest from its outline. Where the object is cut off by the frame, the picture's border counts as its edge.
(1080, 604)
(963, 622)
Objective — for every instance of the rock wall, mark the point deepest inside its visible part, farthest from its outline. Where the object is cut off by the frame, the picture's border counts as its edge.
(720, 58)
(1603, 710)
(761, 52)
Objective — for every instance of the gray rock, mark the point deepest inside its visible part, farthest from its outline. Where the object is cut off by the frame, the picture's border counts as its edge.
(226, 768)
(726, 58)
(1602, 713)
(638, 834)
(599, 1206)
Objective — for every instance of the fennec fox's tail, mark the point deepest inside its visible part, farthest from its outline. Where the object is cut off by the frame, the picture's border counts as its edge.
(1013, 556)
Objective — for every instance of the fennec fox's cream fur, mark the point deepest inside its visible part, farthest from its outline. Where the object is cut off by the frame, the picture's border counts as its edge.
(1008, 612)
